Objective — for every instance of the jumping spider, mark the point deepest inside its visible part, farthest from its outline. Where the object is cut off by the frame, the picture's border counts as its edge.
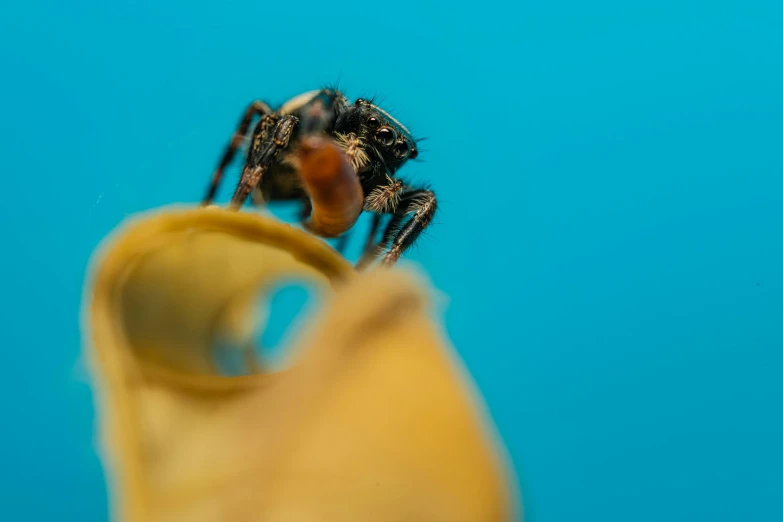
(376, 144)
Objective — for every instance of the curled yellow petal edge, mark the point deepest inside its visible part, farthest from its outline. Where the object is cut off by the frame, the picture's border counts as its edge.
(373, 418)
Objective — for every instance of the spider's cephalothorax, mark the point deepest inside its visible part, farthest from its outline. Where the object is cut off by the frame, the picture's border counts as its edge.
(375, 143)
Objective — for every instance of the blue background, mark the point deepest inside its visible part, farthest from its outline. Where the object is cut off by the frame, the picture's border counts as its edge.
(609, 236)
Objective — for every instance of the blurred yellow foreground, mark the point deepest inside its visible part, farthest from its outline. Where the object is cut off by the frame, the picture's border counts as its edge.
(373, 418)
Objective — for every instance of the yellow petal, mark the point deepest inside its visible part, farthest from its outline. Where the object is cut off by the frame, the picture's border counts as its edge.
(374, 419)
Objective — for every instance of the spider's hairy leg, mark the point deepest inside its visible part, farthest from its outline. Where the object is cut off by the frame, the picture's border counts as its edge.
(256, 108)
(263, 152)
(421, 206)
(399, 235)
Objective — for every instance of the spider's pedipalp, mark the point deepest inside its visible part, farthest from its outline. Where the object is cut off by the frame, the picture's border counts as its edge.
(353, 147)
(384, 198)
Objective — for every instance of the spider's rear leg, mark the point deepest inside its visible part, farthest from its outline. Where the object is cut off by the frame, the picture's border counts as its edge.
(263, 152)
(256, 108)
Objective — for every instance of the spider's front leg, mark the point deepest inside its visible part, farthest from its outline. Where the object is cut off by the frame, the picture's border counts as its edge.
(421, 206)
(418, 206)
(272, 134)
(256, 108)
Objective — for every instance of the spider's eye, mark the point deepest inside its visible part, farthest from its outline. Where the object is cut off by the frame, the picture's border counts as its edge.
(414, 153)
(385, 136)
(359, 101)
(373, 122)
(401, 149)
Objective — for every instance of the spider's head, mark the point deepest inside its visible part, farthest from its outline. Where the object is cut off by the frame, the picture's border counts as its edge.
(382, 137)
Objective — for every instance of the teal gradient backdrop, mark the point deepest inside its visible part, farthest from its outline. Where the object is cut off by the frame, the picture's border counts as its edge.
(609, 239)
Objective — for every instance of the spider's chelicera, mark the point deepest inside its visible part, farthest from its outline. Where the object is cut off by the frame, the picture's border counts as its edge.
(376, 144)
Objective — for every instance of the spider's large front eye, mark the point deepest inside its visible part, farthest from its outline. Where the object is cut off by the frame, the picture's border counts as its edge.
(373, 122)
(385, 136)
(402, 149)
